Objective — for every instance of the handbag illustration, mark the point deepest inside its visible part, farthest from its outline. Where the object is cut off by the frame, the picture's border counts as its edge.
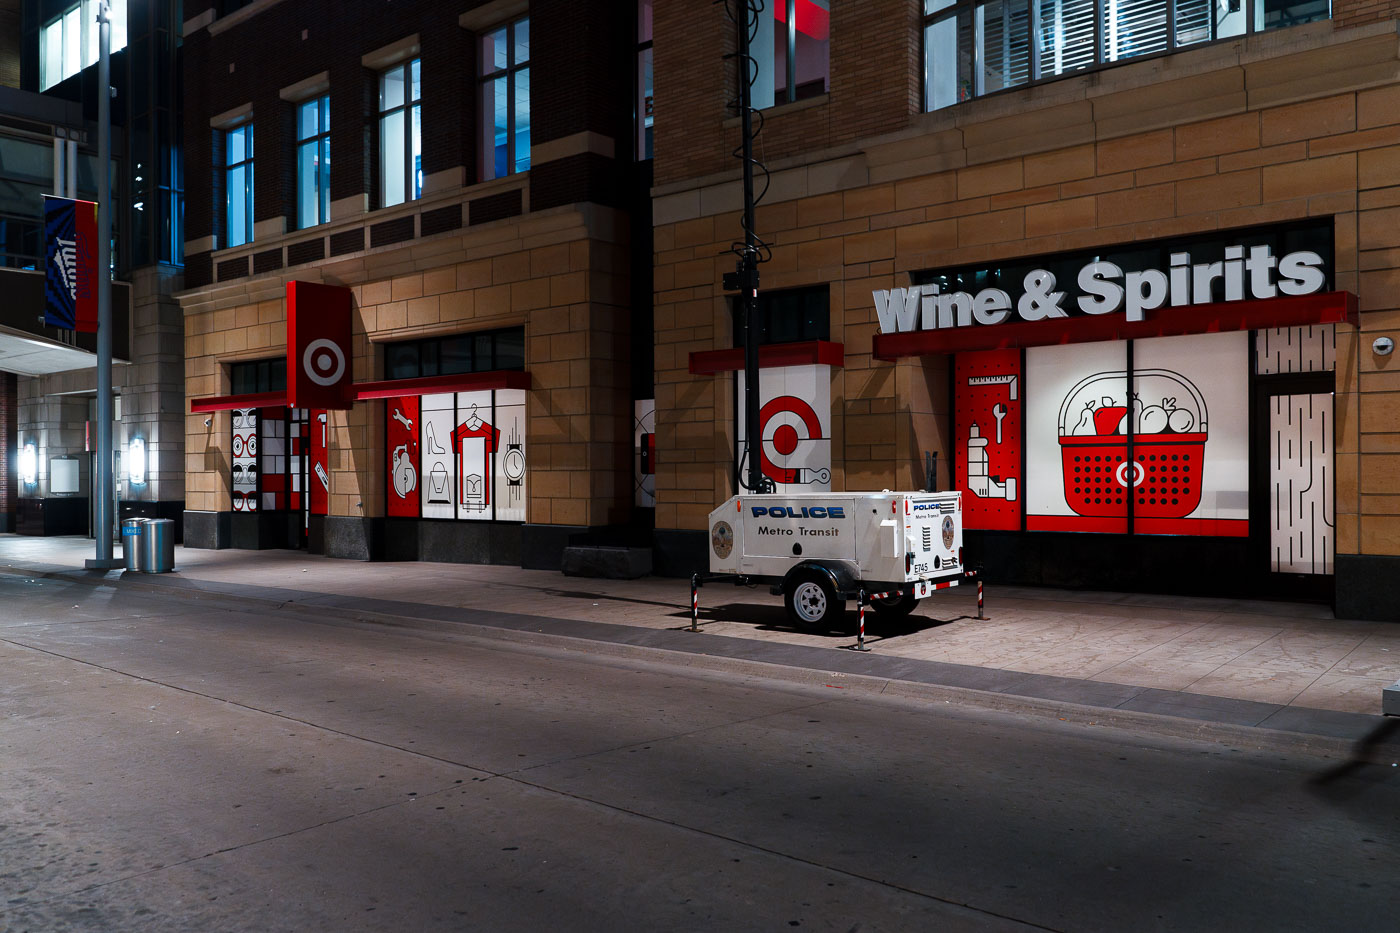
(437, 484)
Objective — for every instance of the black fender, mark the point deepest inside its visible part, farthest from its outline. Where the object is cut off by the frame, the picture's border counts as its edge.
(843, 579)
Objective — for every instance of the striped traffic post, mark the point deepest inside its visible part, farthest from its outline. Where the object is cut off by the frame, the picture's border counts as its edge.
(695, 602)
(860, 637)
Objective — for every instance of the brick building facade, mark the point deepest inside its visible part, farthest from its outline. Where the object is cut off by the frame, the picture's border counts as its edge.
(1272, 140)
(521, 243)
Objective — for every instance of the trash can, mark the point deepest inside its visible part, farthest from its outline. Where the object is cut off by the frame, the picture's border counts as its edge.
(131, 542)
(158, 546)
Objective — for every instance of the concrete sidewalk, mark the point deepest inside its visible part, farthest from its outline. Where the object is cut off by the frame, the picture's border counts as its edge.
(1282, 666)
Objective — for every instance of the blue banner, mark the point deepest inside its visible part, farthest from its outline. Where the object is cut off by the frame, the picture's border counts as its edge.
(70, 266)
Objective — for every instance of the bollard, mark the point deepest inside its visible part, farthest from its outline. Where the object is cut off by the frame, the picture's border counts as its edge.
(695, 602)
(860, 636)
(979, 600)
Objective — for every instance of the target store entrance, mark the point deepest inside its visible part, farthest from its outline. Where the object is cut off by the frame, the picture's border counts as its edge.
(1152, 417)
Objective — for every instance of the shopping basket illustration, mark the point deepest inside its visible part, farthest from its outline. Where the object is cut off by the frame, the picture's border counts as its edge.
(1168, 444)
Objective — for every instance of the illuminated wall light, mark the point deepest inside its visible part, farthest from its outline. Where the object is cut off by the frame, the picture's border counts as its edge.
(136, 461)
(29, 464)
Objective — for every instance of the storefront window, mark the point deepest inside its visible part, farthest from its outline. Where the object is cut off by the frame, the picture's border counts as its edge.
(256, 376)
(973, 48)
(457, 455)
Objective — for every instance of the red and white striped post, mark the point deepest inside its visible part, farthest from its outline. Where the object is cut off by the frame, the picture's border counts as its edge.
(979, 599)
(860, 615)
(695, 602)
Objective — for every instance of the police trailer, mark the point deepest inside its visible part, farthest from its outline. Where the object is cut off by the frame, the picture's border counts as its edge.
(820, 549)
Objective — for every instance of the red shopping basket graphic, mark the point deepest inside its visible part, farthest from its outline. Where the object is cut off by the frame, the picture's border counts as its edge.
(1168, 445)
(1166, 475)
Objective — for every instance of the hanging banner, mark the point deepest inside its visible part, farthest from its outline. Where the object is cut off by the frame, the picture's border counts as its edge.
(70, 267)
(318, 346)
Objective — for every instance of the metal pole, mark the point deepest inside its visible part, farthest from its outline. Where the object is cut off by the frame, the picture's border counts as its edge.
(695, 602)
(754, 482)
(979, 599)
(102, 482)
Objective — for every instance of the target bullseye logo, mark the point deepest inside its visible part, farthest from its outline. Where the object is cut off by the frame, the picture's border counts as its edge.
(323, 362)
(787, 421)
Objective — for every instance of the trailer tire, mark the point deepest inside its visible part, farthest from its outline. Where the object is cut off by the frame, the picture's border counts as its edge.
(811, 601)
(895, 607)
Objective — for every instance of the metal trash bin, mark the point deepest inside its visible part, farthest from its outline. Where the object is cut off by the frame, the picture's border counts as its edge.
(131, 542)
(158, 546)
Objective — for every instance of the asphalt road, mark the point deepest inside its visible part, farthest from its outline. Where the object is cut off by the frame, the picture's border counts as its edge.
(170, 763)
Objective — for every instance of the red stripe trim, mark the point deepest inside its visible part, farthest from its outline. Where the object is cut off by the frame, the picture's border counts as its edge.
(1323, 308)
(1112, 524)
(709, 362)
(1200, 527)
(431, 385)
(199, 406)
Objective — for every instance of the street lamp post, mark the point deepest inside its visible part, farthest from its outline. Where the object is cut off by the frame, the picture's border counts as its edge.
(102, 481)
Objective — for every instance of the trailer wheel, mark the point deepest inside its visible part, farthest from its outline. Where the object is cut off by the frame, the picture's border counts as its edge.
(895, 607)
(812, 603)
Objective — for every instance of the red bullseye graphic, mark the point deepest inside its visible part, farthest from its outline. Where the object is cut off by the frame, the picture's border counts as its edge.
(785, 422)
(785, 439)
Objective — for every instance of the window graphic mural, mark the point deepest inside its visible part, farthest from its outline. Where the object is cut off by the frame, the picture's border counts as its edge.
(457, 455)
(795, 423)
(989, 446)
(1176, 444)
(270, 447)
(245, 460)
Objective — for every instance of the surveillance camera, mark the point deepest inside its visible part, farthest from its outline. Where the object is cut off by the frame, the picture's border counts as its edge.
(207, 421)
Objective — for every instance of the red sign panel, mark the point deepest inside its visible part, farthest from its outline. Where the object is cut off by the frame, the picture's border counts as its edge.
(405, 464)
(318, 346)
(318, 476)
(989, 391)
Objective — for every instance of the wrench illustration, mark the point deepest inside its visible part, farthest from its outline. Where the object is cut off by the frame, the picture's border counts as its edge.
(999, 411)
(406, 422)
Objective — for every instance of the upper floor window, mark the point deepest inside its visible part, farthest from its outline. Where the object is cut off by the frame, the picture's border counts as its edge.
(790, 316)
(313, 162)
(238, 184)
(478, 352)
(504, 70)
(257, 376)
(792, 48)
(400, 134)
(973, 48)
(69, 43)
(643, 106)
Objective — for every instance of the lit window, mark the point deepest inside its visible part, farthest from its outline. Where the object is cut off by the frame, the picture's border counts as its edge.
(973, 48)
(792, 49)
(313, 162)
(505, 100)
(643, 107)
(400, 134)
(69, 43)
(238, 181)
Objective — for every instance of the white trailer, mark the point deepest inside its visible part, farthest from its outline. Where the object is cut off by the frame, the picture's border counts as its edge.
(820, 549)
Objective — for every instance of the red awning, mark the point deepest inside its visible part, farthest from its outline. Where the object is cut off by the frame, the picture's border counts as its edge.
(709, 362)
(431, 385)
(1303, 310)
(426, 385)
(199, 406)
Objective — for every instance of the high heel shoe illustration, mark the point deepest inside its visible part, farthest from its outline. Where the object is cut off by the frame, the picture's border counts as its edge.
(433, 446)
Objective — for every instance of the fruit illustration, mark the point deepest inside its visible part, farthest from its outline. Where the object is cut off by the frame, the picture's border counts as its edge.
(1153, 420)
(1108, 417)
(1179, 419)
(1086, 420)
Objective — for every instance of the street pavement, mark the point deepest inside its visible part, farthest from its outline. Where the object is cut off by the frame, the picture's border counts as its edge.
(179, 758)
(1180, 663)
